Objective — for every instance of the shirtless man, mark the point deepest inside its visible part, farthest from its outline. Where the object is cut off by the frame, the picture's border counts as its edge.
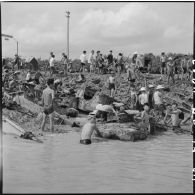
(88, 130)
(174, 112)
(111, 82)
(170, 70)
(47, 102)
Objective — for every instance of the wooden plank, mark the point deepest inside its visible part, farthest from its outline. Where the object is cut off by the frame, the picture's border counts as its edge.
(11, 127)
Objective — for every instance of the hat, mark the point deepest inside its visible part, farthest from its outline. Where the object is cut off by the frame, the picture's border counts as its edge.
(57, 81)
(99, 107)
(17, 72)
(135, 53)
(170, 58)
(150, 86)
(94, 112)
(159, 87)
(142, 89)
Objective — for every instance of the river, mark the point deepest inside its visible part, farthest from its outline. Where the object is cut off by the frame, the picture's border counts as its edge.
(160, 164)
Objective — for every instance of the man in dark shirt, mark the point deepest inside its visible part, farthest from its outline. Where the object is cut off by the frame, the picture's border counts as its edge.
(37, 76)
(110, 58)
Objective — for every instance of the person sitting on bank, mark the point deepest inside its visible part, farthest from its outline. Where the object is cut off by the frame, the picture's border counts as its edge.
(111, 84)
(88, 130)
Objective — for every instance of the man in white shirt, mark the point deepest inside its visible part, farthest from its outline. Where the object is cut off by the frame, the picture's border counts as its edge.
(28, 77)
(143, 98)
(91, 61)
(52, 64)
(158, 99)
(83, 59)
(158, 95)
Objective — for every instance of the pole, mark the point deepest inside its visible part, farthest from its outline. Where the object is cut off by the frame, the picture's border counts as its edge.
(68, 16)
(17, 48)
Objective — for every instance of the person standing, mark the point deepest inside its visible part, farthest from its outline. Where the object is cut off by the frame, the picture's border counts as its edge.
(119, 63)
(83, 59)
(65, 63)
(170, 70)
(47, 102)
(52, 65)
(158, 99)
(163, 63)
(91, 61)
(150, 96)
(133, 65)
(101, 64)
(133, 96)
(175, 119)
(142, 98)
(184, 62)
(98, 59)
(111, 84)
(110, 58)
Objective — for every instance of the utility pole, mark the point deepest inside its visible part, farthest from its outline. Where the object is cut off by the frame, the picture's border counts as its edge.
(68, 16)
(17, 47)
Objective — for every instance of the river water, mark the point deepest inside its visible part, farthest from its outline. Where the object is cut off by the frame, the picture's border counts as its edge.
(160, 164)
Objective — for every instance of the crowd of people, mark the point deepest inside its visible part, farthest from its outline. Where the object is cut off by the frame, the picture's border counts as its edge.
(143, 98)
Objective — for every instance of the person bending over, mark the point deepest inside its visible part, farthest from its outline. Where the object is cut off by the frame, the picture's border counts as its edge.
(88, 130)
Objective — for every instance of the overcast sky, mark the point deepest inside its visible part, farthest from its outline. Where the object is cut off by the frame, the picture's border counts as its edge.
(122, 27)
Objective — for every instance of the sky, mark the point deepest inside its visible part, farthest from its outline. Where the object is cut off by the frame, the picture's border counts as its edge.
(122, 27)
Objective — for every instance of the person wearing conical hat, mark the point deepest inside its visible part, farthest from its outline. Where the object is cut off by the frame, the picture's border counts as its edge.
(142, 98)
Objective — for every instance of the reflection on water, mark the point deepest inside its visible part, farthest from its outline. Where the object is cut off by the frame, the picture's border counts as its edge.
(62, 165)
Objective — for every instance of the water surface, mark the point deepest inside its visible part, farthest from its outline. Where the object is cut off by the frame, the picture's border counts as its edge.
(160, 164)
